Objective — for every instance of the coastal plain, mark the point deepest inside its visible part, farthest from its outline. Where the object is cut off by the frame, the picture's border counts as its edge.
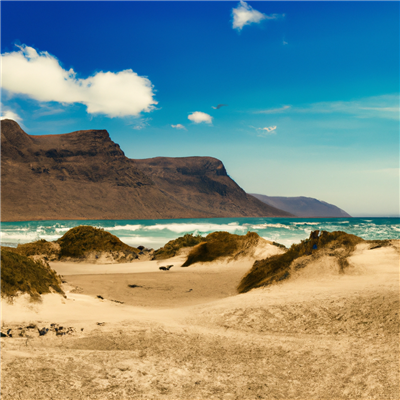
(187, 334)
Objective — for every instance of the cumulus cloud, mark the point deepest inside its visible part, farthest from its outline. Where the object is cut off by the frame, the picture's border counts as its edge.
(199, 116)
(179, 126)
(244, 14)
(41, 77)
(8, 114)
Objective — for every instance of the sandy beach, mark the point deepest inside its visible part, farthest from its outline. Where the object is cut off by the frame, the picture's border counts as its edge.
(186, 334)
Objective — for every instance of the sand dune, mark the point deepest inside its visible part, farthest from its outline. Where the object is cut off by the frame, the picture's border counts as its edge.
(320, 334)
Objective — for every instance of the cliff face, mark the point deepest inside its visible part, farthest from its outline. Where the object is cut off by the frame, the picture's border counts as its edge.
(85, 175)
(304, 206)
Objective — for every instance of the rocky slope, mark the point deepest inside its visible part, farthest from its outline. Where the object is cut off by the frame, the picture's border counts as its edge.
(303, 206)
(85, 175)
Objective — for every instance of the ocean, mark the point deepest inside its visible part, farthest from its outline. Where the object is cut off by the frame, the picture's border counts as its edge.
(155, 233)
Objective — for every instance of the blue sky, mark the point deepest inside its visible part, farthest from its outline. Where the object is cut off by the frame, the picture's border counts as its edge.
(311, 88)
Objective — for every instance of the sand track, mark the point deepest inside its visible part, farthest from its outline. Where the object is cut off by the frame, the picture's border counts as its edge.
(317, 336)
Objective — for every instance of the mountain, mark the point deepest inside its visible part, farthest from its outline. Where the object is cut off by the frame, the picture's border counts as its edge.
(85, 175)
(303, 206)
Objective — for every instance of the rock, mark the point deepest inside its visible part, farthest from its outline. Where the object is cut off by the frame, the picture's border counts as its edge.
(43, 331)
(3, 334)
(166, 267)
(100, 297)
(140, 248)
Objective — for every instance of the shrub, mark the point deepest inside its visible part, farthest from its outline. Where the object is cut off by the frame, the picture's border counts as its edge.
(173, 246)
(20, 273)
(277, 268)
(83, 239)
(222, 244)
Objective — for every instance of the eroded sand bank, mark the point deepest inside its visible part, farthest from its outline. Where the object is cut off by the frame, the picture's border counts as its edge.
(319, 335)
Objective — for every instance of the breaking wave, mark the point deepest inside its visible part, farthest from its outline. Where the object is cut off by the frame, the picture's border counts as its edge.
(155, 233)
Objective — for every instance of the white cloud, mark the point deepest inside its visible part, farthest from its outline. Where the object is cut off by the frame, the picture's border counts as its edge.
(8, 114)
(41, 77)
(385, 106)
(268, 130)
(273, 110)
(199, 116)
(179, 126)
(244, 14)
(141, 124)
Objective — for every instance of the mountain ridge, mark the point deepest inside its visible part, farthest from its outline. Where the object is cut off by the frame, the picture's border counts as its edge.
(85, 175)
(303, 206)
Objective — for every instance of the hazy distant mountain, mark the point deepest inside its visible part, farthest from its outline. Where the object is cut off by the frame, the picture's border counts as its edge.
(85, 175)
(303, 206)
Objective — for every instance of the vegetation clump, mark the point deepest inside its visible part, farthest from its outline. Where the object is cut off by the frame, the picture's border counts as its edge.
(173, 246)
(20, 273)
(277, 267)
(79, 241)
(222, 244)
(40, 247)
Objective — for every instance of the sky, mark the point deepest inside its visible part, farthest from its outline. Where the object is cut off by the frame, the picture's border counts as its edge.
(295, 98)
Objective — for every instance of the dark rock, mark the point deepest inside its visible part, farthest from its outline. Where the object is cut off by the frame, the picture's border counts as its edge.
(43, 331)
(134, 286)
(140, 248)
(3, 334)
(100, 297)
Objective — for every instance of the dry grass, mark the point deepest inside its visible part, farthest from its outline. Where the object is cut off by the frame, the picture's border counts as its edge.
(79, 241)
(173, 246)
(222, 244)
(40, 247)
(22, 274)
(277, 268)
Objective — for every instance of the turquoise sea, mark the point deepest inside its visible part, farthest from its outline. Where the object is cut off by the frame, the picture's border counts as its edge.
(155, 233)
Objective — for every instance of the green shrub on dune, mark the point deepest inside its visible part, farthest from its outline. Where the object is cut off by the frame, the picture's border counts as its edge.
(277, 268)
(22, 274)
(78, 241)
(173, 246)
(222, 244)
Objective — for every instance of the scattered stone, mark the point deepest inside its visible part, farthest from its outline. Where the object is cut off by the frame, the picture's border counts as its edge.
(100, 297)
(101, 323)
(3, 334)
(134, 286)
(117, 301)
(43, 331)
(31, 326)
(140, 248)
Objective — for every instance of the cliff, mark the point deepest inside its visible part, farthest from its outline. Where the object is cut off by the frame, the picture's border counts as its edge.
(85, 175)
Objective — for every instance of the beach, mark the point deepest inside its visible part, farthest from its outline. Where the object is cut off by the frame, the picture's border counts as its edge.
(187, 334)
